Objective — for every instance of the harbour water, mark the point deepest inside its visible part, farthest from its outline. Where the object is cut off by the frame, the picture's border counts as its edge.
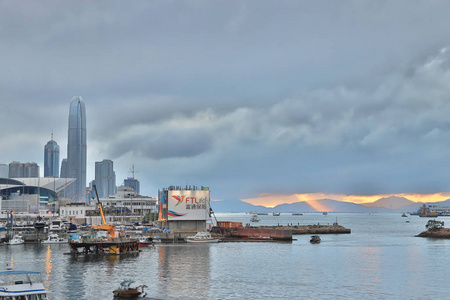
(380, 259)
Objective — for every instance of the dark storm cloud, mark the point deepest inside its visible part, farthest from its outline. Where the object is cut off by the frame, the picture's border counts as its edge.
(244, 96)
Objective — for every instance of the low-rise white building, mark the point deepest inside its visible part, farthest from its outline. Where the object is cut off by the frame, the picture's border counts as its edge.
(125, 205)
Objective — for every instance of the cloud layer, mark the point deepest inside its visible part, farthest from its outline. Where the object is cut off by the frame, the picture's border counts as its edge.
(246, 97)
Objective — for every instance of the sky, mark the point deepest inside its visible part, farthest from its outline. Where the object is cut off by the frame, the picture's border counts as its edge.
(254, 99)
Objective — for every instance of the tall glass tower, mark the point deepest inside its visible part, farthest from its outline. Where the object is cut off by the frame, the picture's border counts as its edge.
(105, 178)
(76, 148)
(51, 159)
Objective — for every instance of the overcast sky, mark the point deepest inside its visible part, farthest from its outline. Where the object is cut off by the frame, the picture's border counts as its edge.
(249, 98)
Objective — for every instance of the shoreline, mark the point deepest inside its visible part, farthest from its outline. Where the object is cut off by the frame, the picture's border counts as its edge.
(443, 233)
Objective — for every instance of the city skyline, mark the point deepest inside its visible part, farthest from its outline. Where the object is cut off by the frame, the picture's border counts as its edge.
(252, 99)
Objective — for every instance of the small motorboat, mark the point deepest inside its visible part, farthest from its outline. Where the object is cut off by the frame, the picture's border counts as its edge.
(315, 239)
(53, 238)
(22, 285)
(254, 218)
(276, 214)
(129, 289)
(145, 241)
(202, 237)
(16, 240)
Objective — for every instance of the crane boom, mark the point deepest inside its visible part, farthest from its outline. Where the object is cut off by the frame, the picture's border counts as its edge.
(104, 226)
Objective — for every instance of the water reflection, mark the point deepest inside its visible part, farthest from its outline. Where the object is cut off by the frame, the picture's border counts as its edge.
(184, 270)
(48, 268)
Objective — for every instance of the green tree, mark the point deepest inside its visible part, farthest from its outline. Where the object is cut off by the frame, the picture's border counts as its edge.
(434, 225)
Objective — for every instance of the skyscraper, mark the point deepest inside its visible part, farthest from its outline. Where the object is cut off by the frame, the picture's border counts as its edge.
(76, 148)
(132, 183)
(63, 173)
(105, 178)
(23, 170)
(51, 159)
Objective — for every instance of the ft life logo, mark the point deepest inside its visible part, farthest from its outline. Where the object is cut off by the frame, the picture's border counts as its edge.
(191, 202)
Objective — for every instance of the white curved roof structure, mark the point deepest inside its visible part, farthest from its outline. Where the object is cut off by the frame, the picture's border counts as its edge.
(53, 184)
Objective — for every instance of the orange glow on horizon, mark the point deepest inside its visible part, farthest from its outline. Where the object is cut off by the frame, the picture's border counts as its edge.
(272, 200)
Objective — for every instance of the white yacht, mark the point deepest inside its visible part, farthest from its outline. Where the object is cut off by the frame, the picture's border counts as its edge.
(53, 238)
(16, 240)
(57, 225)
(202, 237)
(22, 285)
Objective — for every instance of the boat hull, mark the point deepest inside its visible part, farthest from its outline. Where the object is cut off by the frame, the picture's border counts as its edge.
(202, 240)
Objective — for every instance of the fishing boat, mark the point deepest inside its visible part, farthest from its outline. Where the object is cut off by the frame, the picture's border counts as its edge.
(16, 240)
(315, 239)
(145, 241)
(202, 237)
(129, 289)
(22, 285)
(53, 238)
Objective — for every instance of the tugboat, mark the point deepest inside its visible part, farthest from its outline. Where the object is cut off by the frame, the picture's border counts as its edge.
(128, 290)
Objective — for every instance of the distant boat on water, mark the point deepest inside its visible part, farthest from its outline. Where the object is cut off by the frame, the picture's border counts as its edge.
(254, 218)
(276, 214)
(424, 212)
(297, 214)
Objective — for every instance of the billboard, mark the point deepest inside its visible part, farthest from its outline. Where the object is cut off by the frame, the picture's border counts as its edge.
(188, 205)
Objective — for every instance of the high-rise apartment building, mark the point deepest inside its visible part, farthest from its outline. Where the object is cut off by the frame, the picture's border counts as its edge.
(132, 183)
(23, 170)
(105, 178)
(4, 170)
(51, 159)
(76, 148)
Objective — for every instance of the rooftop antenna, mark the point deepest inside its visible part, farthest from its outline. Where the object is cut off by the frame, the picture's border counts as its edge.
(132, 171)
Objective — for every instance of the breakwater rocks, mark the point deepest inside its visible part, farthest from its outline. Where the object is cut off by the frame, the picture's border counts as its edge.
(442, 233)
(318, 229)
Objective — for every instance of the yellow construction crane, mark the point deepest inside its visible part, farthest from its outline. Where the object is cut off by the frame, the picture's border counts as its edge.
(104, 226)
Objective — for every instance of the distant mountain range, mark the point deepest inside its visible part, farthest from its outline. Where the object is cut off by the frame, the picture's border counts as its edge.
(389, 204)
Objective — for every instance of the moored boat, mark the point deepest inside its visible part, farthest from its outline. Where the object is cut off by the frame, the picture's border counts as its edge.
(53, 238)
(128, 289)
(16, 240)
(145, 241)
(202, 237)
(22, 285)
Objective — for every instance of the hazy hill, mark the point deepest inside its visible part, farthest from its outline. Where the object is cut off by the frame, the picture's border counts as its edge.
(322, 205)
(392, 202)
(236, 206)
(389, 204)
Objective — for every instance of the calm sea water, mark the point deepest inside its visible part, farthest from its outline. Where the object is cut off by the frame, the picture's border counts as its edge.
(380, 259)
